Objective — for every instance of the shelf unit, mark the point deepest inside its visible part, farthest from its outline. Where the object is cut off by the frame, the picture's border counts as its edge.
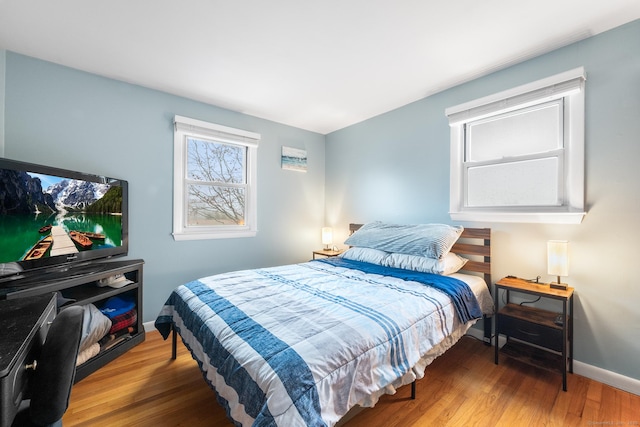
(79, 282)
(536, 336)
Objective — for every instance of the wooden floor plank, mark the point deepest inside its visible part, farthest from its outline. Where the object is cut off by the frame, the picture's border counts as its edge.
(463, 387)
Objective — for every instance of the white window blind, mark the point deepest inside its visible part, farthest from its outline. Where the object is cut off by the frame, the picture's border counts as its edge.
(513, 159)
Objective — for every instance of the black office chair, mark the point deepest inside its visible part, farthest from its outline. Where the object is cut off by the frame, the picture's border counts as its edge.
(50, 384)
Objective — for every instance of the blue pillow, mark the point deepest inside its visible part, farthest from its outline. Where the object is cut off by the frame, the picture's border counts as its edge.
(429, 240)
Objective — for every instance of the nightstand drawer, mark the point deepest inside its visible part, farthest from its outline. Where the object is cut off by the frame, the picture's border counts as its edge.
(533, 333)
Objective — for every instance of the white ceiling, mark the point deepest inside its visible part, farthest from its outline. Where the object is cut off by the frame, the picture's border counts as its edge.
(318, 65)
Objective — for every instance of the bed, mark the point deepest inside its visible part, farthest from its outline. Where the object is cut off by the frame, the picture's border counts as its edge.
(302, 344)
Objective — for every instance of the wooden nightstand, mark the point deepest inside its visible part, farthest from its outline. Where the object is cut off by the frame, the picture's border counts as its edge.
(540, 337)
(327, 252)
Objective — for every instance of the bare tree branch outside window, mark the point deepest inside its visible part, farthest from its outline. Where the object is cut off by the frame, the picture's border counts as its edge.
(216, 183)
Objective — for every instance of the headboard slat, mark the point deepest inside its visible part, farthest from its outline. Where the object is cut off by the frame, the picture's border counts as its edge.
(478, 266)
(477, 233)
(471, 249)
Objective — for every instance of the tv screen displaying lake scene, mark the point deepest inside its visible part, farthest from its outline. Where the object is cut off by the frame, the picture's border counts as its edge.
(46, 215)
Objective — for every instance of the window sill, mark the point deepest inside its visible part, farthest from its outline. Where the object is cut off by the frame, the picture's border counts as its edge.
(214, 235)
(520, 217)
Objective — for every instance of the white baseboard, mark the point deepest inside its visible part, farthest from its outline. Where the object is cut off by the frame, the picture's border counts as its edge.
(611, 378)
(149, 326)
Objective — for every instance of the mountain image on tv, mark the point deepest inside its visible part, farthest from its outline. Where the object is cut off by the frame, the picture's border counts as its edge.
(73, 194)
(44, 215)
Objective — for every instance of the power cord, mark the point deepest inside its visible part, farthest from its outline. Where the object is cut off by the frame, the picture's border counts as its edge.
(535, 280)
(530, 302)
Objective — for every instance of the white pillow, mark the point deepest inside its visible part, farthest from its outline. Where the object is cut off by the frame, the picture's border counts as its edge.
(373, 256)
(453, 263)
(449, 264)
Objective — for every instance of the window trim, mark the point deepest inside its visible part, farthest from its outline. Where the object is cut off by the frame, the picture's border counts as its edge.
(568, 85)
(184, 127)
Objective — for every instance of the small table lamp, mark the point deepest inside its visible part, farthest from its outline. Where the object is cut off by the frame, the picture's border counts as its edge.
(558, 261)
(327, 237)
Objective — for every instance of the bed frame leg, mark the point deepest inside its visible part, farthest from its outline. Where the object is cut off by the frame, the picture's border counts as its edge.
(174, 338)
(487, 329)
(413, 390)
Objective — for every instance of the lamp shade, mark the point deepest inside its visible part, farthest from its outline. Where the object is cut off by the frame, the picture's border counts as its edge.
(558, 257)
(327, 236)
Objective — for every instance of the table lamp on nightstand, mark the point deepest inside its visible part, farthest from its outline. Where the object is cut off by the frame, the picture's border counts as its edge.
(327, 237)
(558, 261)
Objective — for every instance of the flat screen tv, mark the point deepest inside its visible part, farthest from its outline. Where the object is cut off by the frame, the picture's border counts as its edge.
(56, 217)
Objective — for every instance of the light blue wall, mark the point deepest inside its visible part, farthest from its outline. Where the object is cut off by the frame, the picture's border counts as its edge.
(395, 167)
(70, 119)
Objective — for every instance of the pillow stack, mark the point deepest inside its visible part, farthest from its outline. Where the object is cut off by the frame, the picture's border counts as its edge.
(419, 247)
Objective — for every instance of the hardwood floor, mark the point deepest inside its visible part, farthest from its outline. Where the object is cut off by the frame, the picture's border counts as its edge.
(461, 388)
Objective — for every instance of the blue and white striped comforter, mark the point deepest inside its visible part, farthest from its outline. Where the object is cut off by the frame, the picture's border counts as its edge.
(299, 345)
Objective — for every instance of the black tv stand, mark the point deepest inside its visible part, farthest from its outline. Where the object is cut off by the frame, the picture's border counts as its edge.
(79, 283)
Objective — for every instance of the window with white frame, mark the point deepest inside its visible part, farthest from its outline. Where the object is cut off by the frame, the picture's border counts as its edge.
(214, 181)
(518, 156)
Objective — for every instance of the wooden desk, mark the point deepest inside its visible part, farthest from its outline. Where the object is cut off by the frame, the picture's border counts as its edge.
(24, 324)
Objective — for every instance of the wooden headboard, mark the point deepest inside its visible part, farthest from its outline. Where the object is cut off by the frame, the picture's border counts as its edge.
(474, 244)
